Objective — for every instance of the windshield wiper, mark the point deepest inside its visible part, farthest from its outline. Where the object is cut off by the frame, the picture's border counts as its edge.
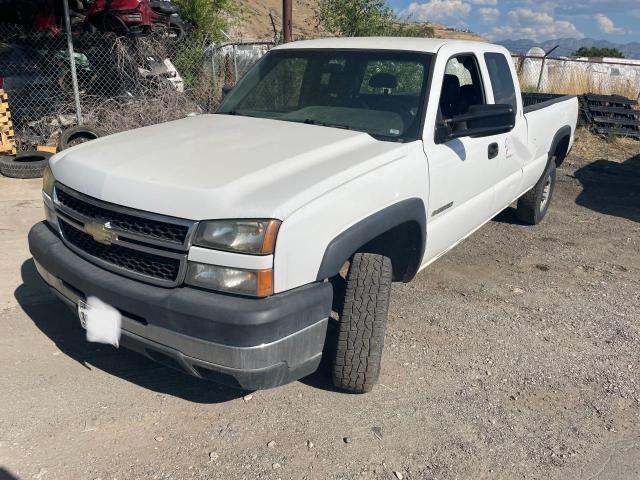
(310, 121)
(239, 114)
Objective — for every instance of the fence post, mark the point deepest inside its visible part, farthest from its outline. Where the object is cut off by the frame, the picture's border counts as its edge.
(214, 77)
(287, 21)
(544, 59)
(235, 65)
(72, 62)
(520, 64)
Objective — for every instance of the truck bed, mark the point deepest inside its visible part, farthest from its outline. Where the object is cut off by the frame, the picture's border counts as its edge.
(535, 101)
(547, 120)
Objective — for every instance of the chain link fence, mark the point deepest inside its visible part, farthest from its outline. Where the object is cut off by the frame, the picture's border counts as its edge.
(578, 76)
(124, 82)
(129, 82)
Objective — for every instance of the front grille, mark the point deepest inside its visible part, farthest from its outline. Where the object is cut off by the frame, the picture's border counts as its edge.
(124, 222)
(140, 263)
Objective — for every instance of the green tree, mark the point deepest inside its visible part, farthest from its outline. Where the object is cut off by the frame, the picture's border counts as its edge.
(598, 52)
(361, 18)
(209, 17)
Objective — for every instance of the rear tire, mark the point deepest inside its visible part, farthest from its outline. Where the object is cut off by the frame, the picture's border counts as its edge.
(363, 322)
(533, 205)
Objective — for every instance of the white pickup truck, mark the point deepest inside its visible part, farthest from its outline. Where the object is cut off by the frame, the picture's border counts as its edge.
(333, 168)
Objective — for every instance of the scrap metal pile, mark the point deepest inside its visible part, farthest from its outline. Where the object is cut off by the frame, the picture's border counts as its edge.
(610, 114)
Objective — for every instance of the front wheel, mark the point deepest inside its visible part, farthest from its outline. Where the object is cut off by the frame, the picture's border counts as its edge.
(363, 322)
(533, 205)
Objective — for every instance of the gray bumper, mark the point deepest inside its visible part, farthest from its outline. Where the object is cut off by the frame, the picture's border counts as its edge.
(245, 343)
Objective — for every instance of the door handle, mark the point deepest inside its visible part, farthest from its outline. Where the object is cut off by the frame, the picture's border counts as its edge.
(493, 150)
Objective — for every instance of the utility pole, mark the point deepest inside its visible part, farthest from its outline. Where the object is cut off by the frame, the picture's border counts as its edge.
(287, 22)
(72, 63)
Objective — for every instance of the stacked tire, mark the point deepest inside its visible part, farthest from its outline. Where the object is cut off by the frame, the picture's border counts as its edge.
(32, 164)
(24, 165)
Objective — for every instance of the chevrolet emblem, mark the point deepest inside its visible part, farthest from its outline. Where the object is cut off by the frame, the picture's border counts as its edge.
(100, 232)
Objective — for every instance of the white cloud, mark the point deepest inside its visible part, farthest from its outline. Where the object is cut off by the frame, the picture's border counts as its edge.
(488, 15)
(484, 2)
(537, 25)
(436, 11)
(606, 25)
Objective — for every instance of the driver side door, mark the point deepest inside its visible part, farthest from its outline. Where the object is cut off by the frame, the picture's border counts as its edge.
(462, 171)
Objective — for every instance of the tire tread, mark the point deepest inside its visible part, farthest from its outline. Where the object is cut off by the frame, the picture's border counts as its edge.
(363, 323)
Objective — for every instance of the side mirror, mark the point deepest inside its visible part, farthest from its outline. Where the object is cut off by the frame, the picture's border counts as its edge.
(479, 121)
(226, 89)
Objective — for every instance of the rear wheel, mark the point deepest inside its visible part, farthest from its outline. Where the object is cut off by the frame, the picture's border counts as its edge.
(533, 205)
(362, 324)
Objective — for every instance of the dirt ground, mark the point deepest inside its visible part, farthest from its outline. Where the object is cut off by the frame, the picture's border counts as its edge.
(514, 356)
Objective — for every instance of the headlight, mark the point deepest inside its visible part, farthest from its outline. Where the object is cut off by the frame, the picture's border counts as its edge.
(47, 197)
(241, 236)
(256, 283)
(47, 181)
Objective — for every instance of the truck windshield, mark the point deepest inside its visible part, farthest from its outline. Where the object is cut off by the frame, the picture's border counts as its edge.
(381, 93)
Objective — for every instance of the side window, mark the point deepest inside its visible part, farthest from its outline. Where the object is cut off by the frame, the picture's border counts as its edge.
(501, 80)
(281, 87)
(461, 87)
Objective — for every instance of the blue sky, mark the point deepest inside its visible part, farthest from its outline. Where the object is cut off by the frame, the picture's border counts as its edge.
(613, 20)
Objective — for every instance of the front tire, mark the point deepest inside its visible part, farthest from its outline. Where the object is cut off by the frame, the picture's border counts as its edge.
(363, 322)
(533, 205)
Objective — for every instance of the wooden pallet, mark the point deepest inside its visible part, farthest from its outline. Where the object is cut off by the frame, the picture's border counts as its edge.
(7, 145)
(7, 134)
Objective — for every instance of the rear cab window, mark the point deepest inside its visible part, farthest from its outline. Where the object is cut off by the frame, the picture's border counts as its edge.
(504, 91)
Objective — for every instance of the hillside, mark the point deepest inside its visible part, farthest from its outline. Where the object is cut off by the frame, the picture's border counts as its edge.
(441, 31)
(255, 23)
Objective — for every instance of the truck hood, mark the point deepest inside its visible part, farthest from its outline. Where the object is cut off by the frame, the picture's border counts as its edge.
(221, 166)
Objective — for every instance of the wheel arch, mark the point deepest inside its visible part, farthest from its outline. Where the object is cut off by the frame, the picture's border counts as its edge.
(560, 145)
(397, 231)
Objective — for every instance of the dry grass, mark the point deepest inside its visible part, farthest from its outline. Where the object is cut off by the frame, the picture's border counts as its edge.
(119, 114)
(576, 83)
(592, 146)
(110, 115)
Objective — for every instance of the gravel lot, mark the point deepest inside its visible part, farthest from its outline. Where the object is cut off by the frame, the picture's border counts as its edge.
(515, 356)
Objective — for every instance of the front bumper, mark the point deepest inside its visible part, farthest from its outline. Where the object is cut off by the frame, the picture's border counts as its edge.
(242, 342)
